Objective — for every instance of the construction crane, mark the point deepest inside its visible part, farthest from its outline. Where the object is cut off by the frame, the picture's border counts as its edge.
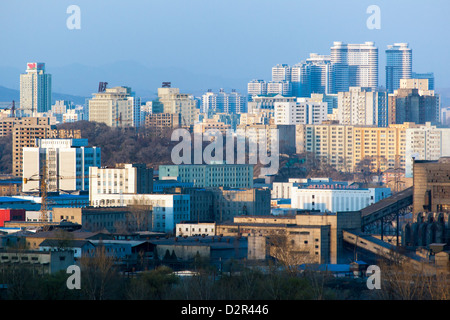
(43, 188)
(42, 178)
(13, 109)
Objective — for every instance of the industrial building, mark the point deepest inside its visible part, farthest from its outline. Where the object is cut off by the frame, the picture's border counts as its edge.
(317, 235)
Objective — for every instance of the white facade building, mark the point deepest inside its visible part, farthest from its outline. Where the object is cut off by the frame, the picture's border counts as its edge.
(301, 111)
(196, 229)
(223, 102)
(281, 72)
(283, 88)
(360, 106)
(257, 88)
(168, 209)
(67, 163)
(124, 178)
(337, 199)
(425, 143)
(73, 115)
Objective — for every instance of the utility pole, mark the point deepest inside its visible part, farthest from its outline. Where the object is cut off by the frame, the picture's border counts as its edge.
(44, 213)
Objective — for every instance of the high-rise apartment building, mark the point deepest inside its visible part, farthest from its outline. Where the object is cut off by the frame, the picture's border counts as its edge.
(283, 88)
(302, 111)
(175, 103)
(116, 107)
(222, 102)
(361, 106)
(66, 163)
(25, 131)
(35, 89)
(256, 88)
(398, 65)
(266, 104)
(354, 65)
(412, 102)
(312, 76)
(380, 148)
(281, 72)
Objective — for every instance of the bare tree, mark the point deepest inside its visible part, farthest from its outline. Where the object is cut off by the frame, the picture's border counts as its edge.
(288, 251)
(99, 276)
(63, 239)
(140, 215)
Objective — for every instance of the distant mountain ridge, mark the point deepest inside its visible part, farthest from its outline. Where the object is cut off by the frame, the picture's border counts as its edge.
(79, 80)
(7, 94)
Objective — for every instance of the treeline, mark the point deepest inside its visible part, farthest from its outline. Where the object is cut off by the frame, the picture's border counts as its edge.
(125, 145)
(100, 283)
(118, 145)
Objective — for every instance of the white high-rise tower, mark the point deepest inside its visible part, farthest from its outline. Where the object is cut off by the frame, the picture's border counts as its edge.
(35, 89)
(354, 65)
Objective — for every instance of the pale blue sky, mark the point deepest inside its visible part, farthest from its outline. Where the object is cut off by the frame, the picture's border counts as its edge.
(227, 38)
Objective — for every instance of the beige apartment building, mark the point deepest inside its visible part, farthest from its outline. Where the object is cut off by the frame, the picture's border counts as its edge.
(211, 124)
(24, 131)
(176, 103)
(283, 135)
(344, 147)
(114, 107)
(158, 122)
(331, 143)
(385, 147)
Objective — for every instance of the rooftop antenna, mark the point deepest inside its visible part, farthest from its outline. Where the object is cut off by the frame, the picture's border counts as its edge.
(13, 109)
(102, 86)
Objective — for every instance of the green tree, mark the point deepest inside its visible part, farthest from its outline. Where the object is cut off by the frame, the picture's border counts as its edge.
(152, 285)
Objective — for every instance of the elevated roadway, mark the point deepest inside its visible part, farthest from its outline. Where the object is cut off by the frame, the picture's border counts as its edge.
(386, 207)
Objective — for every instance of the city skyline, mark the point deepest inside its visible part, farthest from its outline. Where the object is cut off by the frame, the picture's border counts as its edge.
(208, 35)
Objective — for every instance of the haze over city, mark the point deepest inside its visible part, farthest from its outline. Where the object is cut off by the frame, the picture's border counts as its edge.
(200, 45)
(224, 155)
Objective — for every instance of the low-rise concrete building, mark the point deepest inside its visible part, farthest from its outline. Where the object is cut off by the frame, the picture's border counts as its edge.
(78, 247)
(167, 209)
(217, 250)
(335, 198)
(42, 262)
(318, 236)
(195, 229)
